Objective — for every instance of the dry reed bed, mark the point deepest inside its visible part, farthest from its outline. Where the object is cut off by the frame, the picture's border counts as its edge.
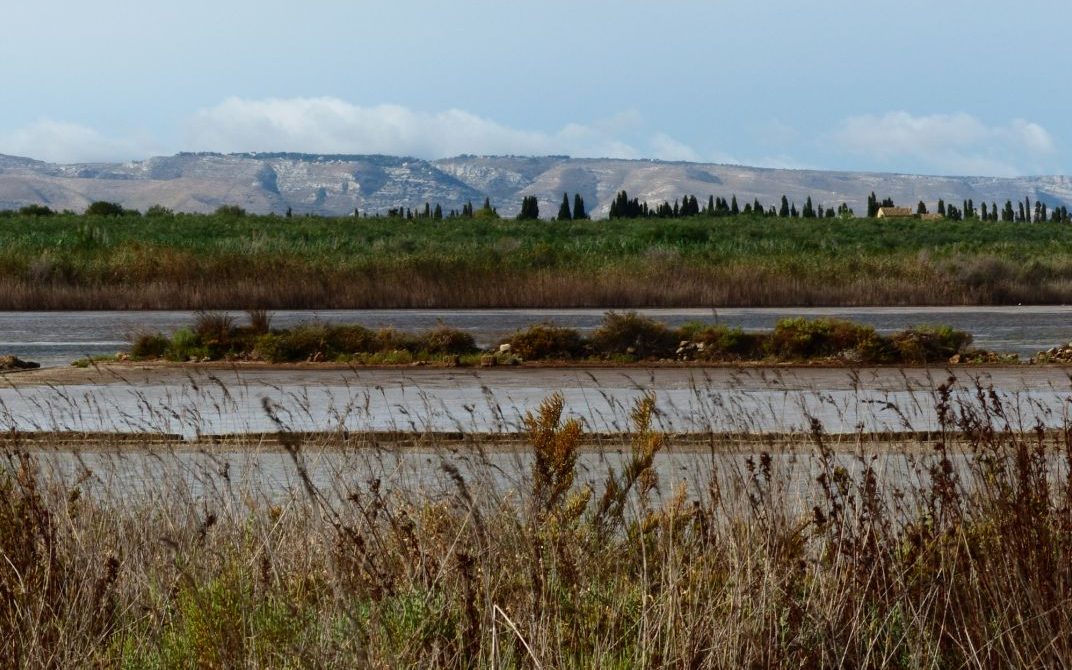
(962, 562)
(561, 288)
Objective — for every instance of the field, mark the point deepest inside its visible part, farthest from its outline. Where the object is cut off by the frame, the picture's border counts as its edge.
(212, 261)
(804, 553)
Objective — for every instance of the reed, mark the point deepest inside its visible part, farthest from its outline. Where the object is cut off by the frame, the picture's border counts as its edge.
(812, 557)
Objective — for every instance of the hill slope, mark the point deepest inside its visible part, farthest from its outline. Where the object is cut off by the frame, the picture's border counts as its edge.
(337, 185)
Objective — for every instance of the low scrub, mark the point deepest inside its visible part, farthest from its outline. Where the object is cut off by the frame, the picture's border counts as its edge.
(635, 335)
(622, 337)
(804, 339)
(929, 344)
(547, 341)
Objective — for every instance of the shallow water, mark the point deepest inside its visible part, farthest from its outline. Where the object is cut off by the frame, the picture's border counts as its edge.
(56, 338)
(199, 402)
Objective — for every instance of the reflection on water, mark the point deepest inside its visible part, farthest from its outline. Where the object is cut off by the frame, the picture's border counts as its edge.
(688, 401)
(56, 338)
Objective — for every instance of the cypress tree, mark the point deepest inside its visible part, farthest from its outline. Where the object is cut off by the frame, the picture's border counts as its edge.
(710, 205)
(941, 207)
(578, 208)
(530, 209)
(564, 210)
(437, 213)
(921, 208)
(784, 211)
(734, 210)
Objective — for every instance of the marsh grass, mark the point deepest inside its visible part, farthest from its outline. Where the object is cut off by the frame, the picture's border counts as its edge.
(185, 261)
(814, 557)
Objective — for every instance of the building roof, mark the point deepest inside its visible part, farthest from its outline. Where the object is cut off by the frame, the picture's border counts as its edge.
(895, 211)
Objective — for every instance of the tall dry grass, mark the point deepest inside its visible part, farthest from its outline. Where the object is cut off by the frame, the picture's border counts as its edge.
(811, 558)
(741, 285)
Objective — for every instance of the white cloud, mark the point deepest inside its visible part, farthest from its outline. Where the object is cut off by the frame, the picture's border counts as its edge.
(668, 148)
(330, 125)
(955, 143)
(61, 142)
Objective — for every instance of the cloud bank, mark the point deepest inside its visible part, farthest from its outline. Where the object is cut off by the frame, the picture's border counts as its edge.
(942, 143)
(951, 143)
(330, 125)
(61, 142)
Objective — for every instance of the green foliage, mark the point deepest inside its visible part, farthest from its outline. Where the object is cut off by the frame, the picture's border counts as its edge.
(818, 338)
(530, 209)
(547, 341)
(35, 210)
(185, 345)
(445, 340)
(158, 210)
(721, 343)
(564, 213)
(102, 208)
(230, 211)
(929, 344)
(630, 333)
(149, 346)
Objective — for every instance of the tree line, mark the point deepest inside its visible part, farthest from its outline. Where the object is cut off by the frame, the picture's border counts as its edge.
(624, 207)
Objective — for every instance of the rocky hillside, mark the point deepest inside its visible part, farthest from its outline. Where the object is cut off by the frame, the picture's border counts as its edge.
(340, 184)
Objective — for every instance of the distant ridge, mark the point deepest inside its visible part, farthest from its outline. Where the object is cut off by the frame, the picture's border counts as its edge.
(338, 184)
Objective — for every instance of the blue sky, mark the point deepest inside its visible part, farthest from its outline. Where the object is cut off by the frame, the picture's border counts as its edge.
(936, 87)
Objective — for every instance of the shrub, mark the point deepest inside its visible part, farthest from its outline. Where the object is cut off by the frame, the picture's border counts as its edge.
(630, 333)
(103, 208)
(159, 210)
(306, 342)
(230, 210)
(927, 344)
(545, 341)
(260, 321)
(724, 343)
(352, 339)
(149, 345)
(185, 344)
(214, 330)
(389, 339)
(445, 340)
(794, 339)
(36, 210)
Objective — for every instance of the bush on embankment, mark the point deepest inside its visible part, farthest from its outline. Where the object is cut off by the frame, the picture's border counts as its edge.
(217, 337)
(621, 337)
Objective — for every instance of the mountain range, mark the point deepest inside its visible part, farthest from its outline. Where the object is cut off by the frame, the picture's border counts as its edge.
(341, 184)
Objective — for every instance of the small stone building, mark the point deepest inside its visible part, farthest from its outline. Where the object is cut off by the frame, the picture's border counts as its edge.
(890, 212)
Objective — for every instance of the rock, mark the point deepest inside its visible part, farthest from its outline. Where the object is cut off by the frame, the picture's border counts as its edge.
(15, 363)
(504, 348)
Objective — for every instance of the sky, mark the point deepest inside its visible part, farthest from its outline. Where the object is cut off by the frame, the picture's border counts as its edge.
(952, 87)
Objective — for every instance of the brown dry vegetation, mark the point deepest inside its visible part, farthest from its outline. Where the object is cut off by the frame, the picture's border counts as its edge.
(741, 286)
(960, 562)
